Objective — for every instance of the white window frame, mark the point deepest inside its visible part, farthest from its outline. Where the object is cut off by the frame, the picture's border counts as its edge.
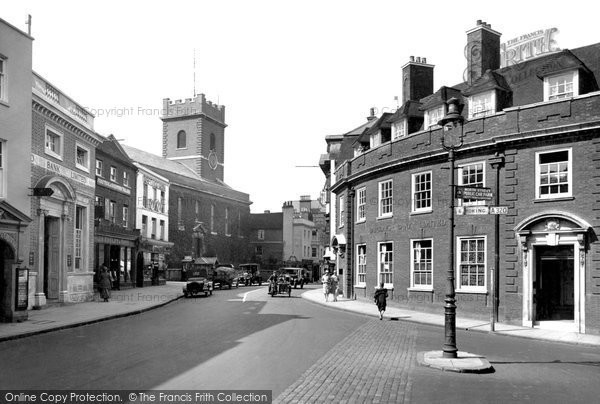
(341, 212)
(80, 239)
(413, 284)
(564, 95)
(399, 129)
(88, 154)
(569, 193)
(3, 176)
(260, 234)
(3, 80)
(461, 168)
(375, 139)
(125, 179)
(381, 199)
(433, 116)
(486, 110)
(466, 288)
(113, 174)
(125, 216)
(361, 205)
(99, 167)
(59, 135)
(413, 192)
(380, 262)
(361, 265)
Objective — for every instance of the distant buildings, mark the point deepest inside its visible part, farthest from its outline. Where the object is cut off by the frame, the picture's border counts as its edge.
(297, 236)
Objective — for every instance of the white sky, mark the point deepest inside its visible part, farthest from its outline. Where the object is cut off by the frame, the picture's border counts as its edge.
(288, 72)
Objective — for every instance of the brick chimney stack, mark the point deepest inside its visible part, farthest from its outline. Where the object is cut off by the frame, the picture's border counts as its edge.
(417, 79)
(482, 51)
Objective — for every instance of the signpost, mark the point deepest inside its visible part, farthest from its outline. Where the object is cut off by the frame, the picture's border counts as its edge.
(479, 193)
(498, 210)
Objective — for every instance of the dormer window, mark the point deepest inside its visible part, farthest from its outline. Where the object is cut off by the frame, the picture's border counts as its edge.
(399, 129)
(433, 115)
(564, 85)
(483, 104)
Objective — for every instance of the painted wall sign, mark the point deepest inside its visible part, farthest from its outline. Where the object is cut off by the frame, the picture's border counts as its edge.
(116, 187)
(528, 46)
(62, 171)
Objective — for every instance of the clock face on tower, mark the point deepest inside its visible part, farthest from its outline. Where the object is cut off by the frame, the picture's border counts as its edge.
(213, 160)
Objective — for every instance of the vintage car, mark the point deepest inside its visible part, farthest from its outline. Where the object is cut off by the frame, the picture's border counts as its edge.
(296, 276)
(280, 286)
(225, 276)
(196, 286)
(250, 274)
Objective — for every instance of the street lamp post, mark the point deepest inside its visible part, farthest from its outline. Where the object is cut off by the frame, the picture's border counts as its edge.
(449, 123)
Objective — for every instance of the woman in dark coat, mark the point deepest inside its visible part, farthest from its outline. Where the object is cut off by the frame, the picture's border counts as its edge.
(105, 284)
(381, 299)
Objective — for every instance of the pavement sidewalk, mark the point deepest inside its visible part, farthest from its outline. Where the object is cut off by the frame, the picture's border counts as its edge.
(367, 308)
(122, 303)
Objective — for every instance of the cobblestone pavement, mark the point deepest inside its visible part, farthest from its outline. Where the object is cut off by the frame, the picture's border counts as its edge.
(372, 365)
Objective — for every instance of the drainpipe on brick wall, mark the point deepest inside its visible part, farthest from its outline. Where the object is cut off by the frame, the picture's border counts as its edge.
(497, 162)
(350, 244)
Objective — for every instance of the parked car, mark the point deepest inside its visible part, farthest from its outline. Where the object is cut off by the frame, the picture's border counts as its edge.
(198, 283)
(296, 276)
(225, 276)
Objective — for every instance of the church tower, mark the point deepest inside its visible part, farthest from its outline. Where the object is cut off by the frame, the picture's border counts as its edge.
(194, 134)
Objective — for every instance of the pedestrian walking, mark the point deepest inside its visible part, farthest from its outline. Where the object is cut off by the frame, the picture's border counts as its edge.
(334, 286)
(325, 280)
(381, 299)
(105, 283)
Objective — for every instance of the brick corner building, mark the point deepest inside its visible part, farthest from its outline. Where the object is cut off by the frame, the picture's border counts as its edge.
(531, 135)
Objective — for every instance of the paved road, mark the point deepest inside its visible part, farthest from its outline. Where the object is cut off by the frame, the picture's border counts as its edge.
(301, 351)
(219, 342)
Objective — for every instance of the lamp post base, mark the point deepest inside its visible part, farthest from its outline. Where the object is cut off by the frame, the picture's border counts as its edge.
(464, 362)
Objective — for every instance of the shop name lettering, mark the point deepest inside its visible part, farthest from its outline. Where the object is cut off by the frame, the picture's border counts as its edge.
(528, 46)
(426, 224)
(60, 170)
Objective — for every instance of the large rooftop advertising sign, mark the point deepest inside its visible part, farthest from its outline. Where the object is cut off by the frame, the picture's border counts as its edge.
(528, 46)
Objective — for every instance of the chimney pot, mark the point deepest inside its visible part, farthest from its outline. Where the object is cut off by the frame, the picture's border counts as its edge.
(412, 58)
(424, 60)
(418, 59)
(479, 22)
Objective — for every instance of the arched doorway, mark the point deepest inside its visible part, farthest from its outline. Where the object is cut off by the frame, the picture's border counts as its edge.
(553, 261)
(7, 259)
